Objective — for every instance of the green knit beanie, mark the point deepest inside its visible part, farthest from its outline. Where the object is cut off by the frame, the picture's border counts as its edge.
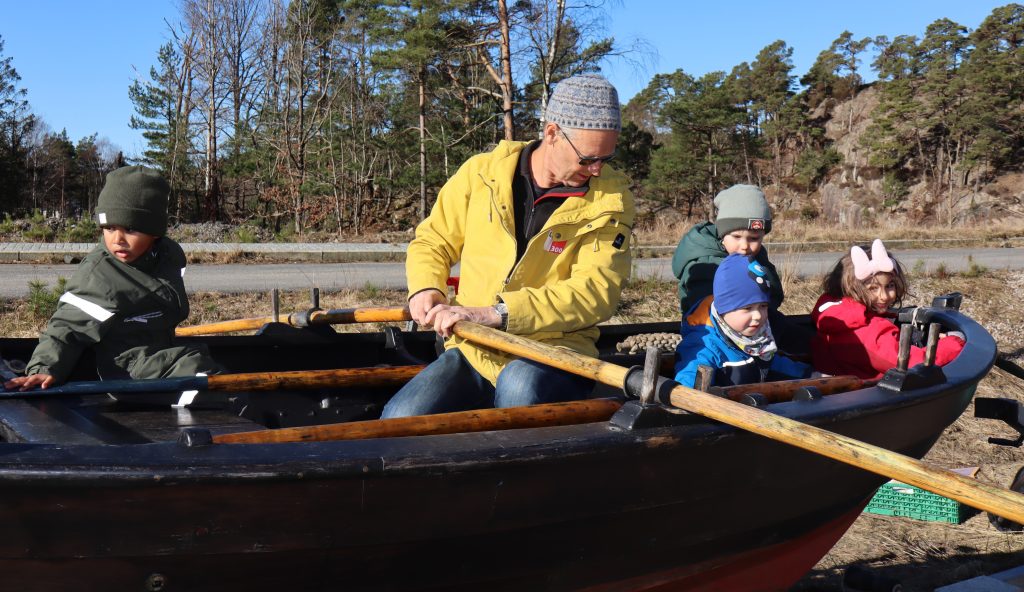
(134, 197)
(742, 207)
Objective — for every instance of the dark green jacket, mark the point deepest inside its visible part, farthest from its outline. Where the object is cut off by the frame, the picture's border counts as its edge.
(696, 259)
(126, 313)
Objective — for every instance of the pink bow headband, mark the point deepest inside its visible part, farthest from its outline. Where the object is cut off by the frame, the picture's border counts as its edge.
(880, 262)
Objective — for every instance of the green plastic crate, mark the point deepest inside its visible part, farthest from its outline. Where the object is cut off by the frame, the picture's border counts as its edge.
(899, 499)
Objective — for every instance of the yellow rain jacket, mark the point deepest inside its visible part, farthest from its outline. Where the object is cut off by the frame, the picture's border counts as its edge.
(569, 278)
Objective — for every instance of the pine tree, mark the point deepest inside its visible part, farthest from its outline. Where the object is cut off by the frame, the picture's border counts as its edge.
(161, 112)
(16, 123)
(994, 114)
(835, 73)
(698, 153)
(771, 90)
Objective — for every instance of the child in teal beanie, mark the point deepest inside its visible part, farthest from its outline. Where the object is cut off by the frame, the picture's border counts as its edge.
(743, 220)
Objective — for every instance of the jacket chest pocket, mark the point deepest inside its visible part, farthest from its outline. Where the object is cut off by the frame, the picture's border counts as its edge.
(151, 322)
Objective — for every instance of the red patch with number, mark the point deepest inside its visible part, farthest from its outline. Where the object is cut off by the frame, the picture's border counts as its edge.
(555, 246)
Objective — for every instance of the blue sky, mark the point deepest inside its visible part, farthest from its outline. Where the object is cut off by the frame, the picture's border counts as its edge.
(77, 58)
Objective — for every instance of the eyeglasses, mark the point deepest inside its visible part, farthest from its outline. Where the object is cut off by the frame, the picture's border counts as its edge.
(586, 161)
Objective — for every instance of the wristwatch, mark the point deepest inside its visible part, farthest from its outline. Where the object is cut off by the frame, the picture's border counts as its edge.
(502, 309)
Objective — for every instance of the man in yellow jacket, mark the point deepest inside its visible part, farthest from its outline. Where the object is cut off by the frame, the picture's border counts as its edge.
(541, 232)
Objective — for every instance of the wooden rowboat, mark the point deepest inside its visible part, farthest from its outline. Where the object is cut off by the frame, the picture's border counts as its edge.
(105, 494)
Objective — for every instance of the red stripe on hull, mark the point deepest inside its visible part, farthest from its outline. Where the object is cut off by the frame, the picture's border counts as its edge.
(777, 567)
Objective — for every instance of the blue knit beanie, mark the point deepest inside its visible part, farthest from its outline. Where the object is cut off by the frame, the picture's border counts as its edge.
(739, 282)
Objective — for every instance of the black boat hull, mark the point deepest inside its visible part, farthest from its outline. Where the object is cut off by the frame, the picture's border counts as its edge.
(692, 505)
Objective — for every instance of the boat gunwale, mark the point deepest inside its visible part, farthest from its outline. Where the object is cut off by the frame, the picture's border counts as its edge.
(169, 462)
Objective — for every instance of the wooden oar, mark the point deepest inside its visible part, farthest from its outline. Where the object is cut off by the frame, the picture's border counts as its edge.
(301, 319)
(255, 381)
(533, 416)
(229, 326)
(782, 390)
(1001, 502)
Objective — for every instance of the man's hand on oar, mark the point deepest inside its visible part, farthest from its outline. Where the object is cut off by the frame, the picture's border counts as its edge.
(443, 317)
(422, 302)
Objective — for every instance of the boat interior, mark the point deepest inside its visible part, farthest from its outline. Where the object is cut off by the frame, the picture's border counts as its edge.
(138, 418)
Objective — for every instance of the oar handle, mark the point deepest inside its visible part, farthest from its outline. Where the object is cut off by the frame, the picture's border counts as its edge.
(339, 316)
(359, 315)
(999, 501)
(480, 420)
(228, 326)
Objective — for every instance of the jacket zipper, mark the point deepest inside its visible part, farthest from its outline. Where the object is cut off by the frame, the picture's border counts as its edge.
(530, 241)
(550, 229)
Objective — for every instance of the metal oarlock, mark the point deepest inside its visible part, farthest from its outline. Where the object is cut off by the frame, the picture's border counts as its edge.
(651, 363)
(275, 303)
(314, 297)
(704, 376)
(902, 378)
(903, 358)
(933, 344)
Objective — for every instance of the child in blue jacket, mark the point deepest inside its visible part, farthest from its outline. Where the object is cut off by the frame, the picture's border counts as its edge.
(729, 331)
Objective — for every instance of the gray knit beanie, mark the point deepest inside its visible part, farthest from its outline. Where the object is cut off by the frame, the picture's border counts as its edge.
(586, 101)
(742, 207)
(134, 197)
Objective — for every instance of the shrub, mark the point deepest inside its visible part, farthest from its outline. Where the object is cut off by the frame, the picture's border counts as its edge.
(974, 269)
(85, 230)
(812, 165)
(371, 291)
(245, 234)
(42, 300)
(285, 235)
(893, 189)
(38, 229)
(8, 226)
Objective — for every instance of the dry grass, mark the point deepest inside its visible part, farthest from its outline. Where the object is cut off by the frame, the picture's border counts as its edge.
(667, 229)
(227, 257)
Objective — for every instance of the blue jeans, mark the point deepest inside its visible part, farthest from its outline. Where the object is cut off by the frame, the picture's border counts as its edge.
(449, 383)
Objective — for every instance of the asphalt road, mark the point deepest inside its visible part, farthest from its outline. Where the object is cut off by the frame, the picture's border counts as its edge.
(250, 277)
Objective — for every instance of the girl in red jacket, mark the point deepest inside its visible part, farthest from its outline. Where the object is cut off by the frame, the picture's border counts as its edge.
(854, 335)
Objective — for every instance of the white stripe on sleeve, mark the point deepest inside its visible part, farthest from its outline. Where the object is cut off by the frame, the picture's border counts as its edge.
(90, 308)
(827, 305)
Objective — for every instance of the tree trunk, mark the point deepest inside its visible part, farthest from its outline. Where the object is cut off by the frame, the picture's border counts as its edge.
(506, 70)
(423, 141)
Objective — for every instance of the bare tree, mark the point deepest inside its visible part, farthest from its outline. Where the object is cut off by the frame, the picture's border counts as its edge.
(304, 74)
(242, 44)
(206, 20)
(494, 34)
